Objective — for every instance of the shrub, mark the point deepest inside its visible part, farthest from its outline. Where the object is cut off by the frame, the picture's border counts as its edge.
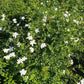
(41, 42)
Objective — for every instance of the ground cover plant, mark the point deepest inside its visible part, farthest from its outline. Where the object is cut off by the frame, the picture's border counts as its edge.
(41, 41)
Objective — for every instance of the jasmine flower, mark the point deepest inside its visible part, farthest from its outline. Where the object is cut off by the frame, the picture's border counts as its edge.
(7, 57)
(14, 20)
(23, 72)
(3, 15)
(23, 18)
(18, 44)
(0, 28)
(29, 37)
(31, 49)
(5, 50)
(36, 30)
(32, 42)
(15, 34)
(11, 49)
(43, 45)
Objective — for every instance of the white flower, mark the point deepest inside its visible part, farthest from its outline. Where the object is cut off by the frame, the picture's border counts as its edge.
(71, 62)
(29, 37)
(12, 54)
(31, 49)
(28, 34)
(64, 71)
(44, 24)
(66, 42)
(47, 1)
(18, 24)
(0, 28)
(56, 9)
(7, 57)
(82, 81)
(66, 15)
(29, 26)
(5, 50)
(68, 30)
(41, 3)
(75, 21)
(11, 49)
(18, 44)
(14, 20)
(43, 45)
(10, 39)
(67, 20)
(23, 72)
(69, 55)
(36, 30)
(32, 42)
(15, 34)
(26, 25)
(24, 58)
(19, 61)
(23, 18)
(3, 19)
(3, 15)
(48, 35)
(76, 40)
(78, 83)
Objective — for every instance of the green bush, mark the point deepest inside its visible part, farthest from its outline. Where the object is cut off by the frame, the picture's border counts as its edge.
(54, 55)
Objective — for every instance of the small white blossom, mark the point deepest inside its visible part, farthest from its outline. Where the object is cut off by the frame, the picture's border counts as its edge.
(82, 81)
(3, 19)
(3, 15)
(47, 1)
(0, 28)
(32, 42)
(36, 30)
(15, 34)
(18, 44)
(48, 35)
(7, 57)
(12, 54)
(41, 3)
(29, 26)
(56, 9)
(76, 40)
(31, 49)
(10, 39)
(5, 50)
(23, 18)
(24, 58)
(29, 37)
(75, 21)
(64, 71)
(44, 24)
(71, 62)
(11, 49)
(68, 30)
(67, 20)
(69, 55)
(28, 34)
(66, 42)
(14, 20)
(23, 72)
(19, 61)
(78, 83)
(18, 24)
(26, 25)
(43, 45)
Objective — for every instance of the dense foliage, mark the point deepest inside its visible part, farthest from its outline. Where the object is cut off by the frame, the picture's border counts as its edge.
(41, 41)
